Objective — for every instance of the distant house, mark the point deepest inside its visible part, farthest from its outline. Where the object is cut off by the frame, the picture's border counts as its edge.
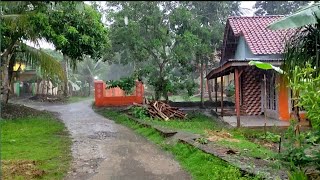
(26, 81)
(245, 39)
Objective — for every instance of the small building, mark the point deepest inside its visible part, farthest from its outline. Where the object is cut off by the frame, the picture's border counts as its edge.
(246, 39)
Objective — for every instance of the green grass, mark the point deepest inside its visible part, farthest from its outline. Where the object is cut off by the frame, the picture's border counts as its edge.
(42, 139)
(198, 123)
(195, 123)
(248, 148)
(200, 165)
(73, 99)
(177, 98)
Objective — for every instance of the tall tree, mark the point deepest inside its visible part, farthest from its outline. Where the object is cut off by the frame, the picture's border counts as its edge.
(16, 25)
(173, 37)
(87, 70)
(76, 31)
(209, 31)
(278, 7)
(151, 36)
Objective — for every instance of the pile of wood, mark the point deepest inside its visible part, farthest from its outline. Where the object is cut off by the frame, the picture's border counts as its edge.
(158, 109)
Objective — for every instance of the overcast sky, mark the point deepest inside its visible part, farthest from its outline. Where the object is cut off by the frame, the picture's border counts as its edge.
(247, 5)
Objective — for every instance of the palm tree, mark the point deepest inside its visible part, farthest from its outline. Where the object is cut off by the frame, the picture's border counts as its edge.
(87, 70)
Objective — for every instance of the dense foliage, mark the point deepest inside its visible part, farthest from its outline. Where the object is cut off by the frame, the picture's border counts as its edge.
(125, 83)
(168, 39)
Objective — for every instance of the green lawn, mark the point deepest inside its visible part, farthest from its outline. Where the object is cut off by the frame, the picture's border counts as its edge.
(177, 98)
(73, 99)
(195, 123)
(200, 165)
(42, 140)
(199, 123)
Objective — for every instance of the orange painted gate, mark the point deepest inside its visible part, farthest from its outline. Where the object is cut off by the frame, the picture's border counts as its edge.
(116, 96)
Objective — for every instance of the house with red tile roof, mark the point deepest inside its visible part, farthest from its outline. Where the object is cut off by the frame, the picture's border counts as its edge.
(246, 39)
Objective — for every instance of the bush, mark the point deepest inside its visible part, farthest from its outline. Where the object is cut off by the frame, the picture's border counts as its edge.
(139, 112)
(308, 86)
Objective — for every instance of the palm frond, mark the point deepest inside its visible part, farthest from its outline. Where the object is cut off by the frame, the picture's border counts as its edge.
(48, 65)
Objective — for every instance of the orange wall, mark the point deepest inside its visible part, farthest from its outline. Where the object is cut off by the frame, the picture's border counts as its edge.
(284, 97)
(116, 96)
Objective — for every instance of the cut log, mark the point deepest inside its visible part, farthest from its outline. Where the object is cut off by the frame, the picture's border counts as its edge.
(158, 109)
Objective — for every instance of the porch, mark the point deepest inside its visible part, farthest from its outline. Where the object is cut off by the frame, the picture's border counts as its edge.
(255, 121)
(253, 97)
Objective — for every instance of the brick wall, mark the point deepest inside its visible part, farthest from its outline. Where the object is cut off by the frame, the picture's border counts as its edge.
(251, 79)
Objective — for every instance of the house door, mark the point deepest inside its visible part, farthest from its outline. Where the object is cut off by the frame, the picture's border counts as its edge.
(270, 95)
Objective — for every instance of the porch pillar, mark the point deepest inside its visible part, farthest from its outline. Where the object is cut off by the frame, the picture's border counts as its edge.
(221, 96)
(237, 94)
(216, 92)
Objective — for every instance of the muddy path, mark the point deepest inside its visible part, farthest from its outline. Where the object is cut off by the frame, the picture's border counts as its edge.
(104, 150)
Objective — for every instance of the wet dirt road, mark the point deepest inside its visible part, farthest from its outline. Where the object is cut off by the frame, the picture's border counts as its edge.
(104, 150)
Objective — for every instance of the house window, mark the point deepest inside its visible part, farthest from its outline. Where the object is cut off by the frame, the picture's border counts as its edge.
(271, 91)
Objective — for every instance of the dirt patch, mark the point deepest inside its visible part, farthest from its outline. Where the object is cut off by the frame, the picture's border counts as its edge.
(220, 135)
(13, 111)
(270, 145)
(47, 98)
(23, 168)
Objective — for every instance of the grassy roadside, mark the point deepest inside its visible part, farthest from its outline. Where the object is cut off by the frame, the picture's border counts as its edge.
(74, 99)
(35, 147)
(200, 165)
(200, 124)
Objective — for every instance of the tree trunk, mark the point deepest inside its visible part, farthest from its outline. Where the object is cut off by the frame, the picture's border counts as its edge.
(201, 82)
(5, 79)
(89, 89)
(65, 69)
(208, 82)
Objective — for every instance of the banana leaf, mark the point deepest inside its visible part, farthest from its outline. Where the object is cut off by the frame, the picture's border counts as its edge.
(265, 66)
(305, 16)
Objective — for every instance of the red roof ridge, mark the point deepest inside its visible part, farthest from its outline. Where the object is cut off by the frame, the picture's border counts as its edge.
(266, 16)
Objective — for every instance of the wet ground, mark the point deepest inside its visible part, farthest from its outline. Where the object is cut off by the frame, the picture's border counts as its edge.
(104, 150)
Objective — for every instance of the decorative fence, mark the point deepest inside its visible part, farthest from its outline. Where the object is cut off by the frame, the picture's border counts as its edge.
(116, 96)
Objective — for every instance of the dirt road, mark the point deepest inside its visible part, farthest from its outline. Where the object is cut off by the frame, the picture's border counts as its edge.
(104, 150)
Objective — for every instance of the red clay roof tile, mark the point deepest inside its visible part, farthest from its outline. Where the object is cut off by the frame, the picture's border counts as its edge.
(260, 39)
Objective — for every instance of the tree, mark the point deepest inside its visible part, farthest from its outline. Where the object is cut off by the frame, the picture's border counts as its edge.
(17, 25)
(76, 31)
(209, 31)
(151, 37)
(87, 70)
(277, 7)
(171, 38)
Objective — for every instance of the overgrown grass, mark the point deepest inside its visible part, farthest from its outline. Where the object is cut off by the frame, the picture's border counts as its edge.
(177, 98)
(195, 123)
(199, 123)
(73, 99)
(41, 139)
(199, 164)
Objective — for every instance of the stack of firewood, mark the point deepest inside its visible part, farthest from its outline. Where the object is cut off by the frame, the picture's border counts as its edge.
(158, 109)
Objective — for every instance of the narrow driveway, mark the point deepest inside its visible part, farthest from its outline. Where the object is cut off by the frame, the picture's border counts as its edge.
(104, 150)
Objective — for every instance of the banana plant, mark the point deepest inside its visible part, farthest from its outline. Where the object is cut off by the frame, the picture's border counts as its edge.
(305, 16)
(265, 66)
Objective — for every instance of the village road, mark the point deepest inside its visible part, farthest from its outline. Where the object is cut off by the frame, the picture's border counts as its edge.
(103, 150)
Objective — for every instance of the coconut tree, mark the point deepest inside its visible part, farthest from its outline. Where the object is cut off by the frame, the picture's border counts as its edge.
(87, 70)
